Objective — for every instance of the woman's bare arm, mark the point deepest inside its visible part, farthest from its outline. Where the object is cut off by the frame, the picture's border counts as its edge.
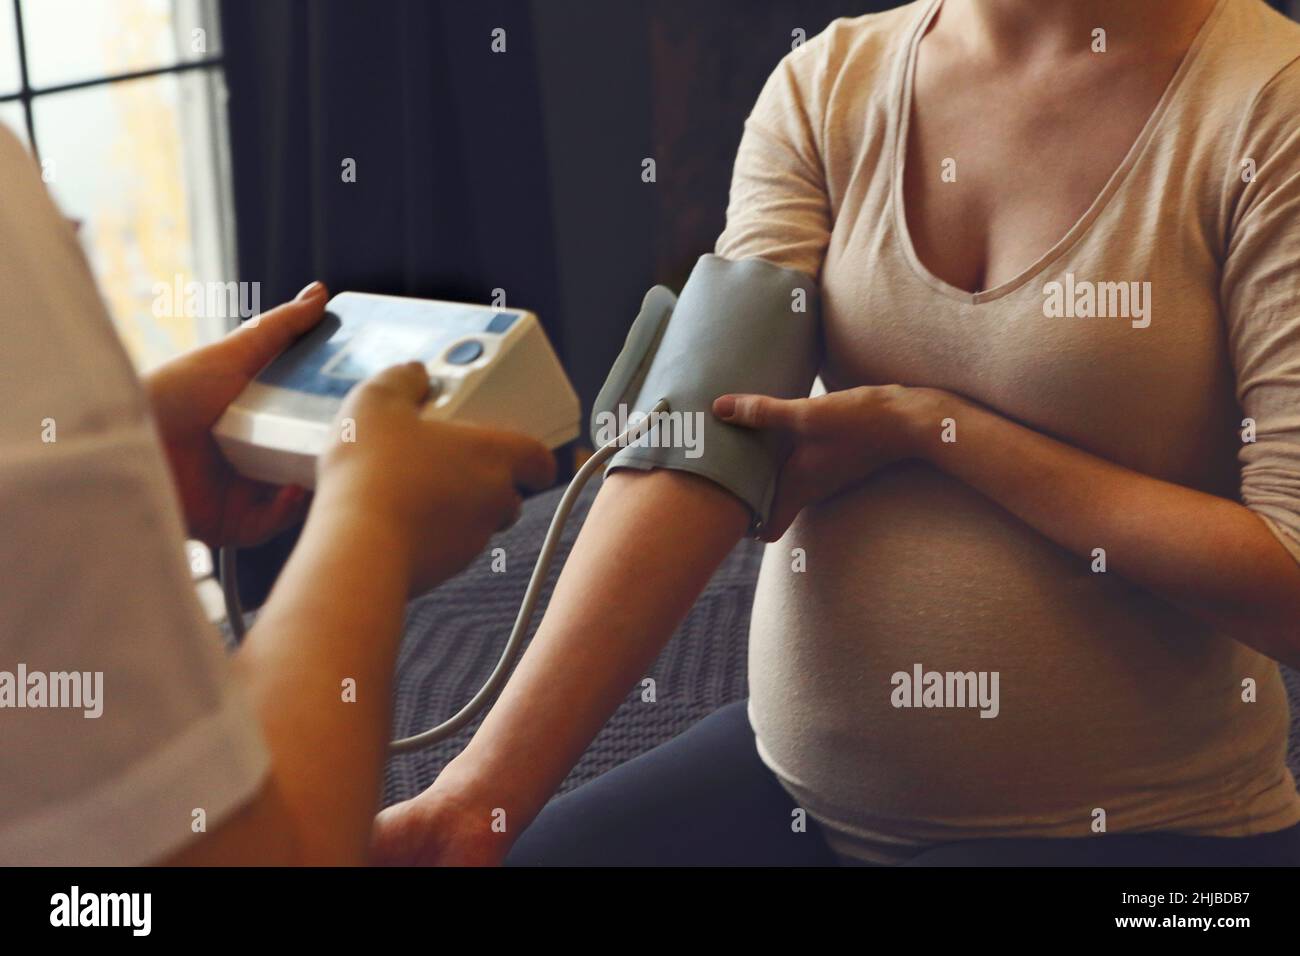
(1213, 556)
(647, 549)
(326, 754)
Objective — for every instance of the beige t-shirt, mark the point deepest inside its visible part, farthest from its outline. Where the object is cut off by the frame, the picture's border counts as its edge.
(1109, 699)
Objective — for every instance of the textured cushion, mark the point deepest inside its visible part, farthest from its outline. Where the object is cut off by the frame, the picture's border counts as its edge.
(455, 634)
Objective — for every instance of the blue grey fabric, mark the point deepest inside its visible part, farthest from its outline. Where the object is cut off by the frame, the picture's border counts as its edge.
(705, 798)
(746, 326)
(455, 634)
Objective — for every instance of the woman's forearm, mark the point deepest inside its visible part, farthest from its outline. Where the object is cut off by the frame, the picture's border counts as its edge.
(1207, 554)
(335, 615)
(647, 549)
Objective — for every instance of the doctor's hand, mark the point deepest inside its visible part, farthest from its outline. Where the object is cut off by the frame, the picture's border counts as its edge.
(190, 393)
(833, 441)
(438, 490)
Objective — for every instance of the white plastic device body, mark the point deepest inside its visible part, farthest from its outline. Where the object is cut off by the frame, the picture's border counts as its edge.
(487, 366)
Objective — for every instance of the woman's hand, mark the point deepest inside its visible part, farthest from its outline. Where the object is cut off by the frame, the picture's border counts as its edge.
(190, 393)
(835, 440)
(434, 829)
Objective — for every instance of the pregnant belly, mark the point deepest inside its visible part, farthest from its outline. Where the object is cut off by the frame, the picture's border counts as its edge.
(918, 653)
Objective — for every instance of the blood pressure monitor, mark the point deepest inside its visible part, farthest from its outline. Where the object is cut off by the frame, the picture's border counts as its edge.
(487, 366)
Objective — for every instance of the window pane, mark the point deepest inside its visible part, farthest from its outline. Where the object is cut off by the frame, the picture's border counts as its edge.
(11, 114)
(137, 162)
(70, 40)
(10, 77)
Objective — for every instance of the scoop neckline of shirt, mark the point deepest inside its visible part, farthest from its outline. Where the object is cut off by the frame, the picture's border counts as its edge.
(901, 123)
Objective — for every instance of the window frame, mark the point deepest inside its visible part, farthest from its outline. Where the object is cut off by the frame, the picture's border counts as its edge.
(211, 66)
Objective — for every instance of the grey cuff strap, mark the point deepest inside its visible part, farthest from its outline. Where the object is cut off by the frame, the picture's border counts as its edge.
(746, 326)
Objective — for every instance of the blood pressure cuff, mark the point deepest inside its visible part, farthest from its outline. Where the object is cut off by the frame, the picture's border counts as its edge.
(746, 326)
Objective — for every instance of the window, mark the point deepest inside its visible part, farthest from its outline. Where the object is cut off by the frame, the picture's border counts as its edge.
(123, 104)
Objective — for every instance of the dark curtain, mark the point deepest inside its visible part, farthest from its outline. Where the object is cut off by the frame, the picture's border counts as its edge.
(450, 197)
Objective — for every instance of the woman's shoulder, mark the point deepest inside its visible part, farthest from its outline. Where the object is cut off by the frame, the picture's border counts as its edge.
(851, 57)
(869, 32)
(1251, 94)
(1258, 52)
(862, 42)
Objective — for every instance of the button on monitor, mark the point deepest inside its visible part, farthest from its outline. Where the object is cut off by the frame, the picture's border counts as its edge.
(464, 352)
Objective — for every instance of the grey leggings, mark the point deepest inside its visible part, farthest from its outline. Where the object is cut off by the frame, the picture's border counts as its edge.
(706, 799)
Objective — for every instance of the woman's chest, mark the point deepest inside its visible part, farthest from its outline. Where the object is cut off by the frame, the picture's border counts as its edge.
(996, 170)
(1116, 344)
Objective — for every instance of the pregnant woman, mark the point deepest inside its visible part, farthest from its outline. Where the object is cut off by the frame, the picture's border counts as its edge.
(1058, 243)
